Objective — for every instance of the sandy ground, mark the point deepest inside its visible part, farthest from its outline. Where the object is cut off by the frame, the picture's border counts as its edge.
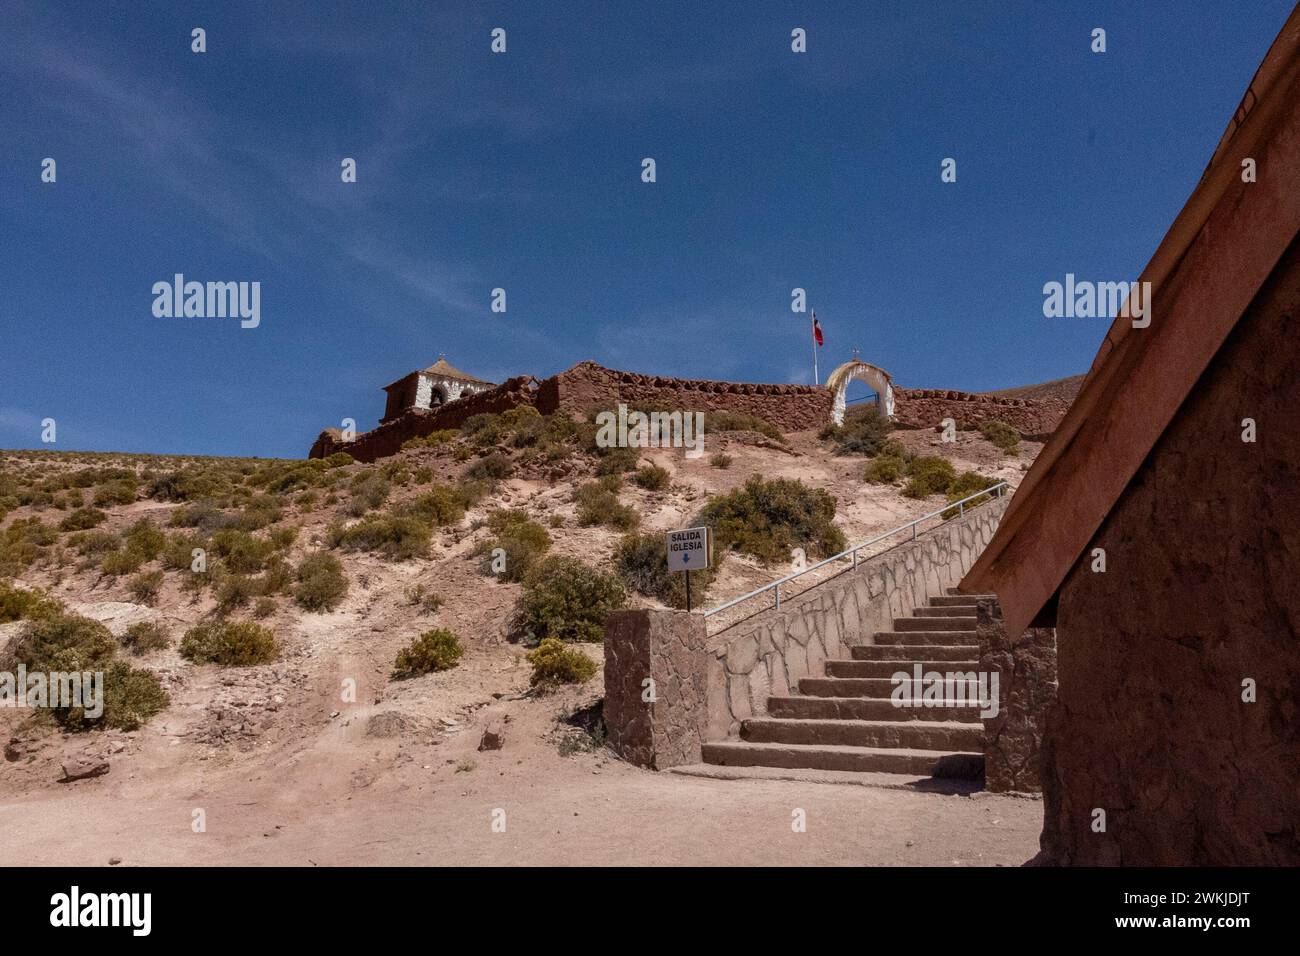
(350, 799)
(286, 770)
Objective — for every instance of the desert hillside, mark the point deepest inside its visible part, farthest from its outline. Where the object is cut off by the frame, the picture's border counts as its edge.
(287, 674)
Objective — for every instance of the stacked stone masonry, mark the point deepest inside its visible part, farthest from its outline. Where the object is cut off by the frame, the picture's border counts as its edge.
(927, 408)
(589, 386)
(1026, 669)
(766, 655)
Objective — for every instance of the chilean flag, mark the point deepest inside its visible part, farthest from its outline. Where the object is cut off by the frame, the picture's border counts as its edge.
(817, 329)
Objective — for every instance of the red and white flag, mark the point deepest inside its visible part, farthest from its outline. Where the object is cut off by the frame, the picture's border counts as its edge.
(817, 329)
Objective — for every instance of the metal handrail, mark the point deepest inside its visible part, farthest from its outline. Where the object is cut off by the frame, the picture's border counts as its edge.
(775, 586)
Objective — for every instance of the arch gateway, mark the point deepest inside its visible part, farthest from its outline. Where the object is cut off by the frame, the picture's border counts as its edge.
(873, 376)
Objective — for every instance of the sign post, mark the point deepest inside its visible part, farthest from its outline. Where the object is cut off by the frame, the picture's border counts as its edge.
(688, 550)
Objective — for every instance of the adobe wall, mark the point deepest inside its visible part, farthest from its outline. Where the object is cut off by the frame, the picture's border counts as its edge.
(387, 438)
(790, 408)
(765, 655)
(1026, 670)
(587, 385)
(927, 407)
(1199, 594)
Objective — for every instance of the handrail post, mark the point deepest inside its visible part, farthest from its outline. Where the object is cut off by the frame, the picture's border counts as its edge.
(777, 589)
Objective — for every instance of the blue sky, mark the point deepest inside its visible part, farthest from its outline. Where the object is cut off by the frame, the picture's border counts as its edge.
(522, 171)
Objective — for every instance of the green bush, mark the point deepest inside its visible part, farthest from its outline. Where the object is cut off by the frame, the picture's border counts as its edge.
(641, 561)
(145, 587)
(144, 637)
(144, 539)
(121, 491)
(231, 643)
(283, 538)
(83, 519)
(554, 662)
(124, 561)
(928, 475)
(432, 440)
(396, 537)
(564, 598)
(22, 543)
(523, 541)
(206, 515)
(883, 470)
(721, 460)
(240, 551)
(493, 466)
(131, 698)
(17, 604)
(614, 461)
(445, 505)
(863, 433)
(178, 553)
(321, 584)
(768, 518)
(597, 506)
(1002, 435)
(234, 591)
(62, 642)
(436, 650)
(340, 459)
(651, 477)
(896, 449)
(967, 484)
(370, 489)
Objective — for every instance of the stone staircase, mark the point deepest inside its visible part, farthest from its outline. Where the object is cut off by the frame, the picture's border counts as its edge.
(846, 720)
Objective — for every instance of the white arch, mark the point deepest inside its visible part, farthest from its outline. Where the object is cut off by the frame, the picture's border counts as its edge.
(874, 376)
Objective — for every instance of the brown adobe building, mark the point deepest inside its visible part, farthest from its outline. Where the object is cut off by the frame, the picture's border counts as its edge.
(1178, 707)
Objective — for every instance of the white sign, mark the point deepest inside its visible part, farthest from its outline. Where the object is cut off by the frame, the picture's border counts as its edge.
(688, 549)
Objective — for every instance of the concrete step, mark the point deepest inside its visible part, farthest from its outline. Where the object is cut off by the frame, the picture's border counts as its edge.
(934, 623)
(951, 650)
(908, 734)
(890, 668)
(956, 600)
(874, 687)
(957, 610)
(737, 753)
(936, 636)
(863, 708)
(953, 592)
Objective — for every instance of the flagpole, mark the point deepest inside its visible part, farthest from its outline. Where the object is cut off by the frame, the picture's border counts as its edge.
(812, 333)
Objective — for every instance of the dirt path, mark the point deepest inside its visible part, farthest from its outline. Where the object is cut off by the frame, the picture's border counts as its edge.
(563, 815)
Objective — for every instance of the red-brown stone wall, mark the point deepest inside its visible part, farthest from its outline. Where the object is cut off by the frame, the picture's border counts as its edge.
(588, 385)
(927, 407)
(388, 438)
(1201, 592)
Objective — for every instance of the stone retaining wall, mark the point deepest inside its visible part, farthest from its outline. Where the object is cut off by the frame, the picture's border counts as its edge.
(1026, 669)
(766, 654)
